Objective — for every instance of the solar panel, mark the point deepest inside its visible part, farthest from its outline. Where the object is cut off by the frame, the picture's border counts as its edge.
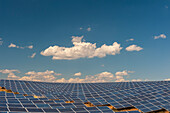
(50, 110)
(167, 107)
(14, 109)
(3, 109)
(34, 110)
(32, 96)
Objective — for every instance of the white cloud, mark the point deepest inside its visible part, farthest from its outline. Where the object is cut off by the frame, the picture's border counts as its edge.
(101, 77)
(58, 74)
(30, 47)
(15, 46)
(7, 71)
(63, 80)
(121, 73)
(89, 29)
(77, 74)
(81, 28)
(131, 39)
(168, 79)
(11, 73)
(120, 79)
(81, 50)
(47, 76)
(136, 80)
(76, 39)
(125, 72)
(163, 36)
(12, 45)
(51, 76)
(33, 55)
(133, 48)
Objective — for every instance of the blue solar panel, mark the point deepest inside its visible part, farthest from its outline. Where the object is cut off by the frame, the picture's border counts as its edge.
(32, 96)
(167, 107)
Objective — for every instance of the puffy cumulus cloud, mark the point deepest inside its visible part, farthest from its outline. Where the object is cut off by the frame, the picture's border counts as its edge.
(51, 76)
(136, 80)
(120, 79)
(46, 76)
(120, 74)
(133, 48)
(1, 41)
(168, 79)
(131, 39)
(15, 46)
(81, 50)
(61, 80)
(76, 39)
(101, 77)
(77, 74)
(12, 76)
(71, 80)
(33, 55)
(163, 36)
(89, 29)
(11, 73)
(6, 71)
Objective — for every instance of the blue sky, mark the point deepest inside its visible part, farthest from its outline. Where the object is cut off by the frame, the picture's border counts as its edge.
(44, 23)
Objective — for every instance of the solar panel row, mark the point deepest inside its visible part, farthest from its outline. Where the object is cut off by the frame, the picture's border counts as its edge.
(124, 97)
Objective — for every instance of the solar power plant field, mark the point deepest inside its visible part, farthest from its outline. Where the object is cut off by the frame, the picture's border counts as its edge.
(121, 97)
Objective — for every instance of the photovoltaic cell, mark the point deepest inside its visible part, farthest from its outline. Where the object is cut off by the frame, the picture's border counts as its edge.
(30, 96)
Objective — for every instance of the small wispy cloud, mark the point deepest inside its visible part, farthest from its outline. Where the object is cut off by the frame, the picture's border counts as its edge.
(121, 73)
(30, 47)
(33, 55)
(77, 74)
(13, 45)
(89, 29)
(163, 36)
(134, 48)
(81, 28)
(131, 39)
(16, 46)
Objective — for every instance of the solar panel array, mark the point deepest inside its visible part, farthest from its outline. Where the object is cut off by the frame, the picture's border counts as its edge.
(121, 97)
